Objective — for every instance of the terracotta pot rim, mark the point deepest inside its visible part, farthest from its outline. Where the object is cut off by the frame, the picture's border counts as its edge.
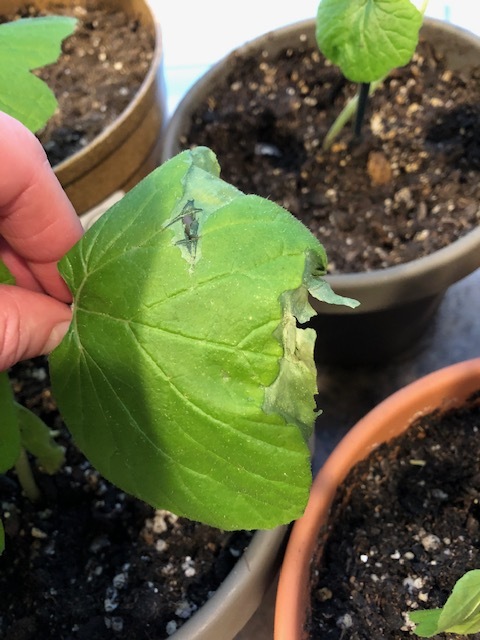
(442, 389)
(126, 114)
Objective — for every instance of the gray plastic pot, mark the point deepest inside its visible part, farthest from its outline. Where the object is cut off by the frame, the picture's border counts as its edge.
(397, 304)
(239, 596)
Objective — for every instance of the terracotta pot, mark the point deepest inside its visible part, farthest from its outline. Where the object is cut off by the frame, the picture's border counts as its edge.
(397, 304)
(443, 389)
(129, 148)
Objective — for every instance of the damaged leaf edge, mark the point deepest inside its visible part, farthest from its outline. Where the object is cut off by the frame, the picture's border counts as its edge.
(297, 370)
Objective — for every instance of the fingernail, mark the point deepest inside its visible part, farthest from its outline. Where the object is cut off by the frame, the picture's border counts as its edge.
(56, 336)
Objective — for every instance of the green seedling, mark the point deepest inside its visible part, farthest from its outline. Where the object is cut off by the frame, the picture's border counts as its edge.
(366, 39)
(25, 45)
(460, 614)
(23, 431)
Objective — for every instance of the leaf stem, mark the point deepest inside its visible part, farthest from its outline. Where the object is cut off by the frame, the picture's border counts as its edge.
(423, 7)
(345, 116)
(25, 477)
(362, 105)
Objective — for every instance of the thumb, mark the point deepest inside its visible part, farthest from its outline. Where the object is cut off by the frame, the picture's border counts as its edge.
(31, 324)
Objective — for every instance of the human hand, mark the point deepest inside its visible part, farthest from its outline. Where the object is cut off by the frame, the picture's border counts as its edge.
(38, 225)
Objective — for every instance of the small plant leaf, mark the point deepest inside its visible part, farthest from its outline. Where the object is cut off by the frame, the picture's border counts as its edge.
(321, 290)
(37, 438)
(5, 276)
(25, 45)
(178, 377)
(9, 434)
(367, 38)
(460, 614)
(426, 621)
(9, 428)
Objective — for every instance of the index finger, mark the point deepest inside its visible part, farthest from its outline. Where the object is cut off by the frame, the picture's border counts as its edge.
(36, 218)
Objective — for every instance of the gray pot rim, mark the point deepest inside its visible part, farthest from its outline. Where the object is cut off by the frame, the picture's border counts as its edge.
(240, 594)
(420, 278)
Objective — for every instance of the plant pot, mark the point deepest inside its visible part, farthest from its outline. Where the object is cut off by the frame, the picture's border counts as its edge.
(442, 390)
(397, 303)
(240, 595)
(128, 149)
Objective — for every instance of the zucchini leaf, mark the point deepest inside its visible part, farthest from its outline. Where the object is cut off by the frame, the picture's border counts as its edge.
(460, 614)
(368, 38)
(184, 377)
(28, 44)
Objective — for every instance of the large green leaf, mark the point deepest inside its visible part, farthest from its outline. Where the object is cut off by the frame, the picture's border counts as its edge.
(368, 38)
(184, 377)
(9, 428)
(460, 614)
(25, 45)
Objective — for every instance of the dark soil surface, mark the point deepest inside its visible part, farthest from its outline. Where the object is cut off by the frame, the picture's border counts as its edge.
(409, 187)
(104, 62)
(91, 563)
(405, 526)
